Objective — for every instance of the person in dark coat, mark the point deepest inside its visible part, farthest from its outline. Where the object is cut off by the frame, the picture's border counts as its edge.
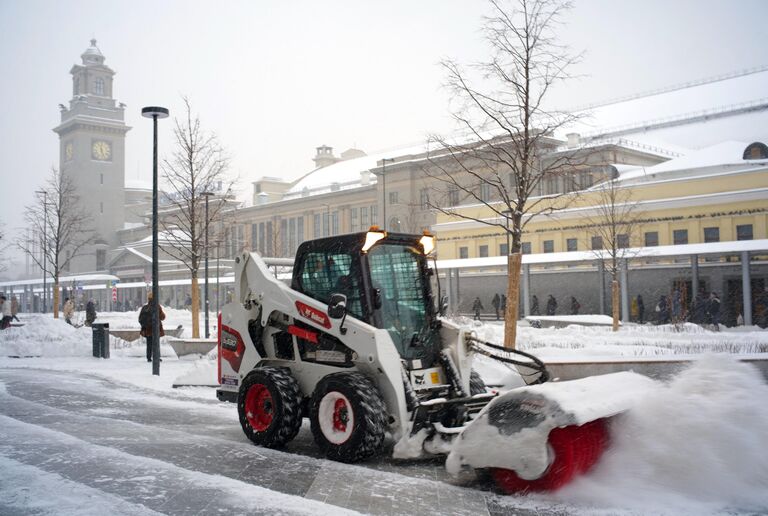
(145, 320)
(477, 306)
(575, 306)
(551, 305)
(496, 303)
(713, 310)
(90, 312)
(663, 310)
(504, 304)
(699, 310)
(534, 305)
(640, 309)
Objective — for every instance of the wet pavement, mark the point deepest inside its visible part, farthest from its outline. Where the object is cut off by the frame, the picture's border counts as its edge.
(181, 457)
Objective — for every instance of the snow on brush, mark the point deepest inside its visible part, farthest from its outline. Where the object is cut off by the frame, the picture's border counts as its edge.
(695, 445)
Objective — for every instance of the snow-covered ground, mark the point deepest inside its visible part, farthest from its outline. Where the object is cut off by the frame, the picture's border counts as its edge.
(695, 445)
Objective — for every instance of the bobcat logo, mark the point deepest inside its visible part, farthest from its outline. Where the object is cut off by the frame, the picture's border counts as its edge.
(419, 379)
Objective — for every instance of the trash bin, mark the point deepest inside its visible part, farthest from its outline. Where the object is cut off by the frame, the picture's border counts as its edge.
(100, 340)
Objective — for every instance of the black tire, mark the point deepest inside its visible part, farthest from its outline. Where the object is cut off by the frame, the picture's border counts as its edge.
(269, 406)
(476, 384)
(355, 401)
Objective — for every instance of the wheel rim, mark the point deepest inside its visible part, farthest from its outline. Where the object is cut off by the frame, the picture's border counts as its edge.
(259, 408)
(336, 417)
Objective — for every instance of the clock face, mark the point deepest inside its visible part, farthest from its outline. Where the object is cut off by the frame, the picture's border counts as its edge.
(69, 151)
(101, 151)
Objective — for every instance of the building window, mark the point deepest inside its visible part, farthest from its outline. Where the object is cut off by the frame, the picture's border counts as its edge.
(283, 237)
(270, 240)
(651, 238)
(424, 198)
(364, 218)
(463, 252)
(680, 236)
(98, 86)
(483, 249)
(744, 232)
(300, 230)
(318, 228)
(503, 249)
(485, 192)
(394, 224)
(262, 239)
(571, 244)
(353, 220)
(254, 236)
(622, 241)
(392, 197)
(101, 259)
(335, 223)
(549, 246)
(526, 248)
(453, 196)
(291, 236)
(326, 224)
(374, 216)
(102, 178)
(711, 235)
(597, 243)
(101, 207)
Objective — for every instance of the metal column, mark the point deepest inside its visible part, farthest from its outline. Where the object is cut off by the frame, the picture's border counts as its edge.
(694, 276)
(746, 288)
(601, 282)
(624, 277)
(526, 290)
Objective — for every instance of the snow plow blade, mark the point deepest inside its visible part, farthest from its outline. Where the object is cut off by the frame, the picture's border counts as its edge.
(538, 438)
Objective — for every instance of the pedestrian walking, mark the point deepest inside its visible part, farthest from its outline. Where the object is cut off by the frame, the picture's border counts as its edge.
(188, 302)
(713, 311)
(551, 305)
(68, 310)
(640, 309)
(145, 320)
(575, 306)
(90, 312)
(5, 309)
(534, 305)
(14, 308)
(496, 303)
(504, 305)
(477, 306)
(662, 309)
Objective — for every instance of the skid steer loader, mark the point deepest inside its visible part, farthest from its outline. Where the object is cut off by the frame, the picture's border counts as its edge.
(357, 344)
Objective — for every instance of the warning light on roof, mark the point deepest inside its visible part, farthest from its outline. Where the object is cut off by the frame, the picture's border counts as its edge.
(371, 237)
(428, 243)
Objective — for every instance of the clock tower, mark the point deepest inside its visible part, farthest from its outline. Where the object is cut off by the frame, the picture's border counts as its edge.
(92, 152)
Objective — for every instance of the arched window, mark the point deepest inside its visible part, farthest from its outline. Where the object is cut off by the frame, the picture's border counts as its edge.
(756, 150)
(98, 86)
(394, 224)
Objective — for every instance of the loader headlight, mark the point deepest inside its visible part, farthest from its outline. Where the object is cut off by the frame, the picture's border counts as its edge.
(428, 243)
(374, 235)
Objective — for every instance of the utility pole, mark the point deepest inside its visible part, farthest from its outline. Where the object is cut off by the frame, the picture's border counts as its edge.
(205, 287)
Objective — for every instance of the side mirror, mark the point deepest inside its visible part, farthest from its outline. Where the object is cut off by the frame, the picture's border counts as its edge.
(376, 298)
(337, 306)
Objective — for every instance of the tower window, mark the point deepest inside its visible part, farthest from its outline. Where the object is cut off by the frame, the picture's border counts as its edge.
(102, 178)
(101, 207)
(98, 86)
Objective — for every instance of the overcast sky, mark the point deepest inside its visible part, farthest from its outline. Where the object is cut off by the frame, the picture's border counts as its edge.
(275, 79)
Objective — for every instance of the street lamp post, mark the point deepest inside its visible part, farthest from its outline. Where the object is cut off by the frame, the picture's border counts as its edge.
(45, 246)
(205, 287)
(155, 112)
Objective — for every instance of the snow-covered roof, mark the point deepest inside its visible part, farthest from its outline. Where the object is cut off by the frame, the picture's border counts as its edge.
(726, 155)
(63, 280)
(137, 184)
(346, 173)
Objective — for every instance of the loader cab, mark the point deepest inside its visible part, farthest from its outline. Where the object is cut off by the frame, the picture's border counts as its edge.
(385, 278)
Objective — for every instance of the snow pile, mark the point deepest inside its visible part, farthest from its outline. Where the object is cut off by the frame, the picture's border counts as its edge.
(203, 372)
(44, 336)
(692, 446)
(585, 342)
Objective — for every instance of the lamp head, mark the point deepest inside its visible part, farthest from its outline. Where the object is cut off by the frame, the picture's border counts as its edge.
(154, 112)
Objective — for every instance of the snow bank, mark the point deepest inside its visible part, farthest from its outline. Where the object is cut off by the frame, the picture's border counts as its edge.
(695, 445)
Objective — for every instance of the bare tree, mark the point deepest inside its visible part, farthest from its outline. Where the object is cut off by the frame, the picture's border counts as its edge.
(3, 247)
(63, 226)
(613, 222)
(506, 159)
(197, 166)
